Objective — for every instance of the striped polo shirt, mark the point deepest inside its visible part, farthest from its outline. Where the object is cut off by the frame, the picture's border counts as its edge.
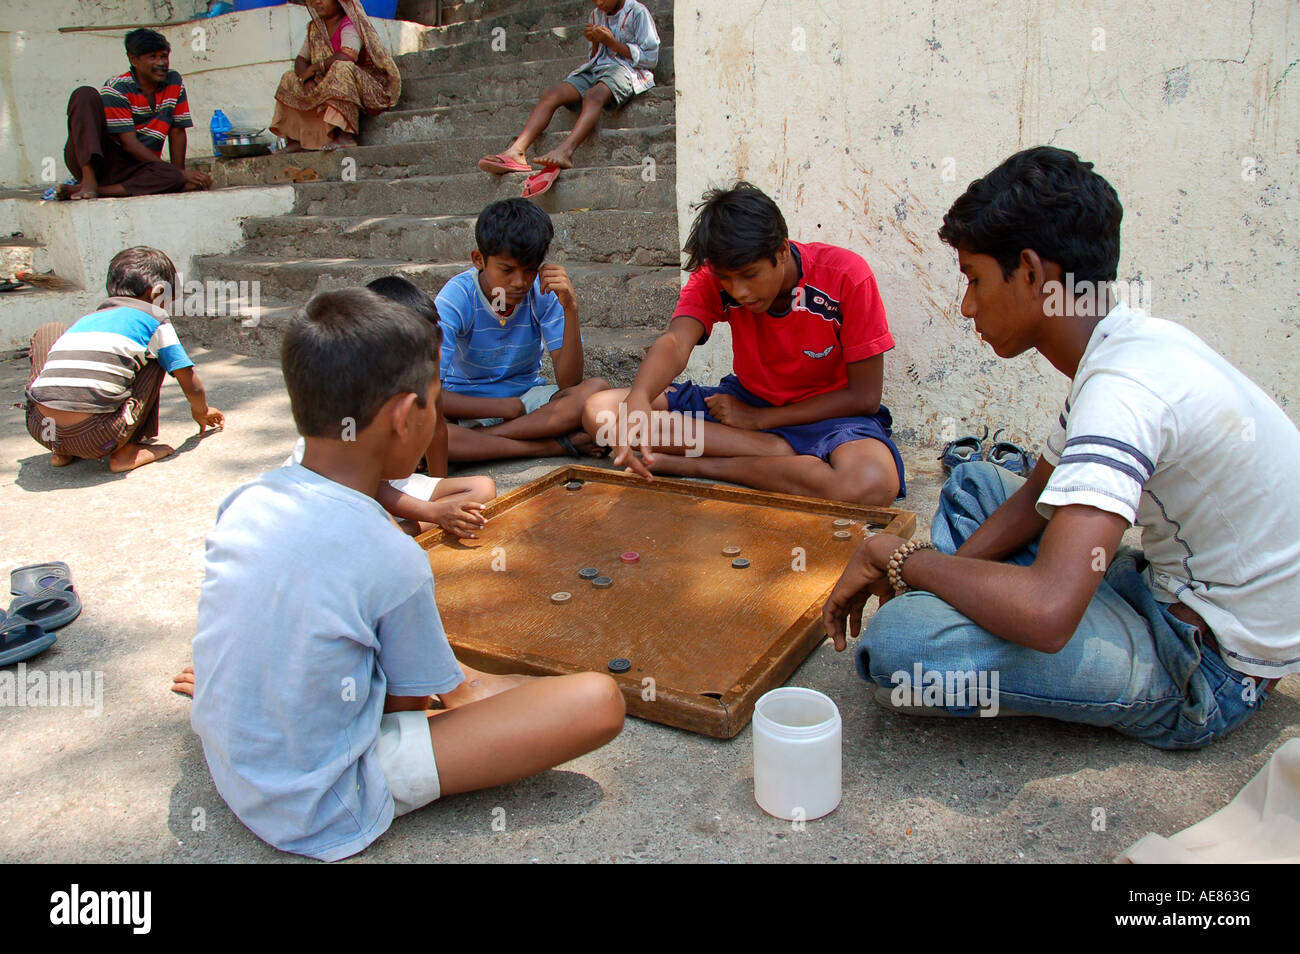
(127, 109)
(94, 363)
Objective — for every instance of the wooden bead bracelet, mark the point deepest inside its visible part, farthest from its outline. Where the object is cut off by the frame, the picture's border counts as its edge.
(897, 559)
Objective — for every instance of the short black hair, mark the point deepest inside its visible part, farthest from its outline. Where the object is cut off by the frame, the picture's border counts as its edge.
(142, 41)
(135, 272)
(516, 227)
(347, 352)
(406, 292)
(1045, 199)
(735, 227)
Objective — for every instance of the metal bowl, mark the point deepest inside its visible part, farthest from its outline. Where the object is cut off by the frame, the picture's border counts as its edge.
(233, 148)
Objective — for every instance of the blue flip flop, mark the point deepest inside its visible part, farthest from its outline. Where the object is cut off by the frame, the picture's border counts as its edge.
(30, 580)
(963, 451)
(1010, 456)
(21, 640)
(49, 609)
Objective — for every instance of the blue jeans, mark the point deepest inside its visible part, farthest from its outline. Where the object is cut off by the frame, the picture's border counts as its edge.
(1131, 665)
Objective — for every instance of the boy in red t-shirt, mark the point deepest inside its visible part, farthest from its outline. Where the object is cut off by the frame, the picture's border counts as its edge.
(802, 412)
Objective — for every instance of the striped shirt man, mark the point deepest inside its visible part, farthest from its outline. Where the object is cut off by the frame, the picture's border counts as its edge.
(92, 366)
(128, 110)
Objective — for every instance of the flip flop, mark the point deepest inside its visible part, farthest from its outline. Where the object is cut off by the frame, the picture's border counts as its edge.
(541, 182)
(30, 580)
(21, 640)
(963, 450)
(1010, 456)
(49, 609)
(500, 164)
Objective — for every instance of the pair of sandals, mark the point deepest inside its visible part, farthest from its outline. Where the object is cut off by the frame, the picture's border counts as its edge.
(537, 183)
(1003, 454)
(44, 601)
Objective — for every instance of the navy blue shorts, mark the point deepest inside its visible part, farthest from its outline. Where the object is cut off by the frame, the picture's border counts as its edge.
(818, 439)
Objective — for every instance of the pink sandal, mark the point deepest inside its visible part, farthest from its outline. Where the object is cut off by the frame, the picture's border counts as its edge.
(541, 182)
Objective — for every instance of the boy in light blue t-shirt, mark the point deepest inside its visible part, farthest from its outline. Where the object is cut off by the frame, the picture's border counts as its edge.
(496, 318)
(319, 644)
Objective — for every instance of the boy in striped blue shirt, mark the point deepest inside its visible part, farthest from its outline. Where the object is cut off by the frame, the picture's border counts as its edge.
(496, 318)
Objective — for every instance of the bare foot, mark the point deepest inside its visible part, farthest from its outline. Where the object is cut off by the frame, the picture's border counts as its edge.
(674, 465)
(130, 456)
(183, 682)
(341, 141)
(290, 145)
(555, 158)
(586, 445)
(61, 460)
(480, 685)
(80, 192)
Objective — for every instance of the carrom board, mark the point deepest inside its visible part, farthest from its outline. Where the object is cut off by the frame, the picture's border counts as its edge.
(705, 640)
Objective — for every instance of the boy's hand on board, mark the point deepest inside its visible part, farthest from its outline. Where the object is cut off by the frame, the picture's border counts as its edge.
(555, 279)
(458, 519)
(862, 579)
(635, 437)
(732, 411)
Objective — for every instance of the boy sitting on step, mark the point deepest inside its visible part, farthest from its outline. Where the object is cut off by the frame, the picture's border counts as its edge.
(496, 317)
(319, 644)
(624, 52)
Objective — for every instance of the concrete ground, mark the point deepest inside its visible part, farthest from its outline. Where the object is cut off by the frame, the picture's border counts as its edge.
(130, 784)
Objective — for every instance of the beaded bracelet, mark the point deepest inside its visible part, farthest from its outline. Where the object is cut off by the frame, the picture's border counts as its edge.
(896, 560)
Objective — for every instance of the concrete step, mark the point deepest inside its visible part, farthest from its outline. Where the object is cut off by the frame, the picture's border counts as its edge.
(431, 84)
(569, 16)
(19, 254)
(481, 46)
(605, 147)
(608, 236)
(614, 354)
(609, 296)
(611, 187)
(655, 107)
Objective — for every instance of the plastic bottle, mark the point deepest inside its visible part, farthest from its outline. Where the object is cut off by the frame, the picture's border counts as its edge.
(797, 756)
(220, 127)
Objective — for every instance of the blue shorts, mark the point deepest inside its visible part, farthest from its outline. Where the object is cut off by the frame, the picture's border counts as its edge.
(818, 439)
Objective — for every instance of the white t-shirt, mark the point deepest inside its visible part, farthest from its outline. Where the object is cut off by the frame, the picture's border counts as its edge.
(419, 486)
(1163, 431)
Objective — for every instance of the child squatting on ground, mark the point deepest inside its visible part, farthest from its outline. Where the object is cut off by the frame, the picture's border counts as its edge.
(624, 53)
(312, 687)
(1175, 644)
(496, 318)
(802, 413)
(94, 388)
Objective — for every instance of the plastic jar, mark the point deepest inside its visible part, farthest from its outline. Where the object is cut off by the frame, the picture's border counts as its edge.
(797, 760)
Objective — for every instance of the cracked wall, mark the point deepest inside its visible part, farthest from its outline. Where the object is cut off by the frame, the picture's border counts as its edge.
(866, 120)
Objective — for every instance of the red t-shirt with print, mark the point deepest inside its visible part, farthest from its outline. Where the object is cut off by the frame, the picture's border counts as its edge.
(836, 317)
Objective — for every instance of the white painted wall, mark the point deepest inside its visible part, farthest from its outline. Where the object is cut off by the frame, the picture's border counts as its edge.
(81, 238)
(232, 62)
(850, 114)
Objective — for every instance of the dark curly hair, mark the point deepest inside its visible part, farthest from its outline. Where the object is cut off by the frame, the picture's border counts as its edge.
(735, 227)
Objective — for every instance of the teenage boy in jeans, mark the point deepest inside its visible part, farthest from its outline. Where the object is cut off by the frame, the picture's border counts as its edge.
(1174, 644)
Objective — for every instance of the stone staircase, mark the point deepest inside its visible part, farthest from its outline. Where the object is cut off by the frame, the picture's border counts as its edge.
(405, 201)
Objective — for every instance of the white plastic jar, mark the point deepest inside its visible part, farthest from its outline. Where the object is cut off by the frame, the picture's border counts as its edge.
(797, 759)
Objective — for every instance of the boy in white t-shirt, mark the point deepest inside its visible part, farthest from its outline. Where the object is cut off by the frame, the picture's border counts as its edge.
(1027, 600)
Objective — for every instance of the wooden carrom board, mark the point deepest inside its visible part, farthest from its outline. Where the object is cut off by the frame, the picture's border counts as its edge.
(711, 637)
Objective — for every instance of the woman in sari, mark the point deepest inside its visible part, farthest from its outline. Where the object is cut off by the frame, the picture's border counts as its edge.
(342, 69)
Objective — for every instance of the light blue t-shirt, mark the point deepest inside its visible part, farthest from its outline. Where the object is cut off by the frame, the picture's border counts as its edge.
(481, 357)
(314, 606)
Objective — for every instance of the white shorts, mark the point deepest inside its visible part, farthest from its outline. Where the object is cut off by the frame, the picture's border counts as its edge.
(405, 753)
(535, 397)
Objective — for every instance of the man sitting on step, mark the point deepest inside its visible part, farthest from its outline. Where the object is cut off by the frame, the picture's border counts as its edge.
(116, 134)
